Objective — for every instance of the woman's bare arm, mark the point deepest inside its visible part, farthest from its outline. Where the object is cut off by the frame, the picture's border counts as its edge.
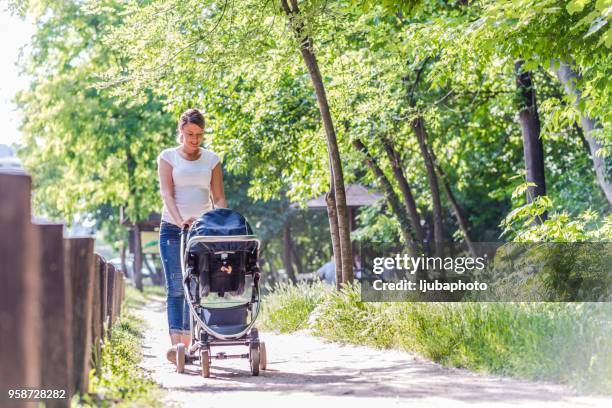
(216, 187)
(166, 186)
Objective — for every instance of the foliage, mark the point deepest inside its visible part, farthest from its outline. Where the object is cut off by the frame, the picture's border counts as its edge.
(543, 32)
(573, 261)
(270, 134)
(269, 217)
(525, 223)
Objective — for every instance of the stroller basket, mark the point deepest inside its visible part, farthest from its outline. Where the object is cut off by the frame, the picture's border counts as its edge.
(226, 321)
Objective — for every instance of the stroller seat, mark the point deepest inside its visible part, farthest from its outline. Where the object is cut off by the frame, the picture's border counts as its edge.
(222, 267)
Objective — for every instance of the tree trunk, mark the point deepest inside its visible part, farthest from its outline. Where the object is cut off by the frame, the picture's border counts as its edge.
(287, 252)
(568, 78)
(389, 194)
(134, 207)
(335, 235)
(421, 135)
(310, 60)
(137, 266)
(124, 268)
(461, 221)
(297, 258)
(336, 164)
(530, 128)
(408, 198)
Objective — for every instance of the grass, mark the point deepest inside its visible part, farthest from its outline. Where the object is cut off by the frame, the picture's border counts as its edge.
(120, 381)
(568, 343)
(289, 306)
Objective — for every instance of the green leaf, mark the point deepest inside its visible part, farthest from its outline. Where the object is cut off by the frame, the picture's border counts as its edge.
(576, 6)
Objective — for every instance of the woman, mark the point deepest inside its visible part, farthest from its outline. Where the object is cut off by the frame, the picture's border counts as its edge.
(190, 181)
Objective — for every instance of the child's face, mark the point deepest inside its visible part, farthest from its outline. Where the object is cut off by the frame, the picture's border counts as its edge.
(227, 269)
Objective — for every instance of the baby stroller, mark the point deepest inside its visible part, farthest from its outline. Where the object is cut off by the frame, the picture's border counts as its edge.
(221, 282)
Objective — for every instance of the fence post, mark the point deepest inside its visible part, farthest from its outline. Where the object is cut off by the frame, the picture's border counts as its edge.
(96, 331)
(56, 351)
(116, 296)
(103, 298)
(19, 285)
(120, 297)
(123, 283)
(110, 298)
(80, 260)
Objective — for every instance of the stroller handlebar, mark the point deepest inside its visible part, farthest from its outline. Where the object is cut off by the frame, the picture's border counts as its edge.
(223, 238)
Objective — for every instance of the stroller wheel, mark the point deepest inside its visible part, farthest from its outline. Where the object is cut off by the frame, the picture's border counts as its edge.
(263, 357)
(254, 359)
(180, 357)
(205, 361)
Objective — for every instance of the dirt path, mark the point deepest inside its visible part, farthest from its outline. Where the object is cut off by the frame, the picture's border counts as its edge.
(305, 370)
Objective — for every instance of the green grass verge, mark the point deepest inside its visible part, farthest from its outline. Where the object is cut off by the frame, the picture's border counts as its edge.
(120, 381)
(568, 343)
(288, 307)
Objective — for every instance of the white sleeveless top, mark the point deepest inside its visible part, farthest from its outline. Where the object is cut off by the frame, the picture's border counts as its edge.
(191, 182)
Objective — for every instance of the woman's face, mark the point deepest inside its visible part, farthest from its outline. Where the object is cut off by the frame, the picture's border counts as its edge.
(192, 137)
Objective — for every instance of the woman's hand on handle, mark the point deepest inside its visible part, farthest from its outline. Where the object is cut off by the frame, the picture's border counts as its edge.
(186, 223)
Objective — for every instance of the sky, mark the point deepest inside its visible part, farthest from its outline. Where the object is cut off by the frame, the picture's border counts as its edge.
(14, 33)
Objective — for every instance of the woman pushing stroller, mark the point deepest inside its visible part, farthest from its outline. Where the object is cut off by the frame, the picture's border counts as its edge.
(191, 180)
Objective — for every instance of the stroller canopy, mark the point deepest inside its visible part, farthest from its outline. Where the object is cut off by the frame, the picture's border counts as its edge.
(220, 222)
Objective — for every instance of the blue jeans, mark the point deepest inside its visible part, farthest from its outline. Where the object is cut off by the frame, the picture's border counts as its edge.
(176, 305)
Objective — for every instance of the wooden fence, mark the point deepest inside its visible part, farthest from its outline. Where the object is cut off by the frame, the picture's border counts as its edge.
(58, 300)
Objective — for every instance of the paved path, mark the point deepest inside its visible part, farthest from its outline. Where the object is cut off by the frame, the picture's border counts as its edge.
(309, 372)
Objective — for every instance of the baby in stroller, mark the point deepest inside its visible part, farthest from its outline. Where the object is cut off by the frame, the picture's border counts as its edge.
(219, 256)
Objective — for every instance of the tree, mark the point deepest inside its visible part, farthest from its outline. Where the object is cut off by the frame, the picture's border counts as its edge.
(337, 193)
(530, 128)
(406, 191)
(390, 195)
